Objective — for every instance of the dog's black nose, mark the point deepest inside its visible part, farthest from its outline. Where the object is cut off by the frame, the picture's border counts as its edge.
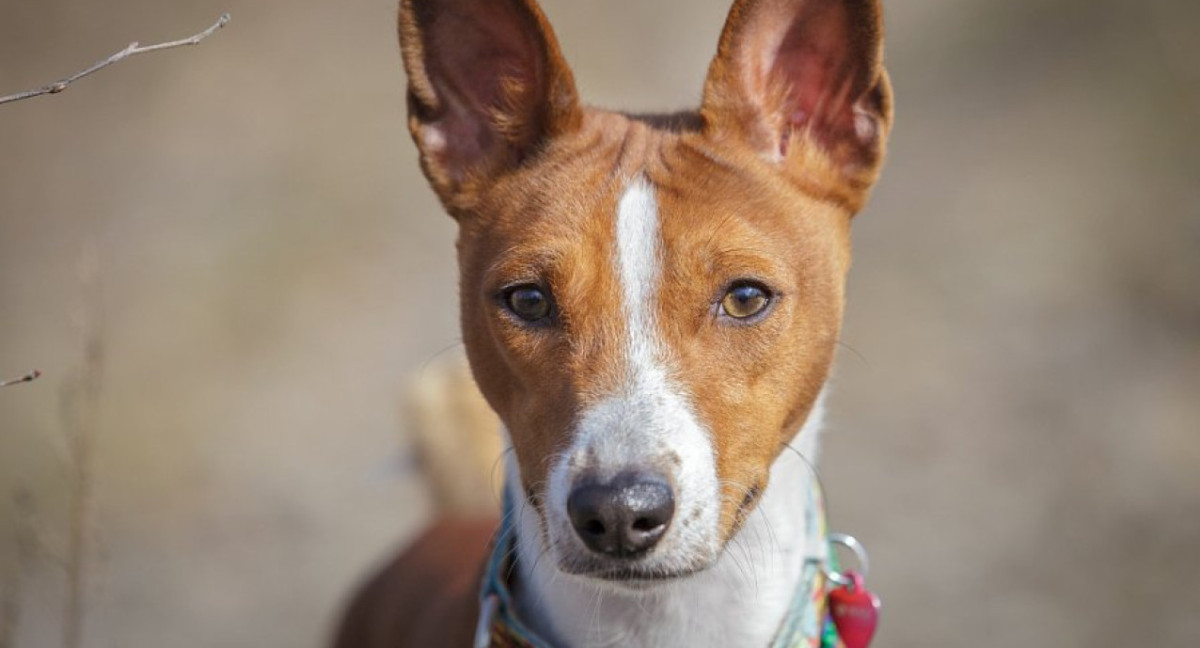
(623, 518)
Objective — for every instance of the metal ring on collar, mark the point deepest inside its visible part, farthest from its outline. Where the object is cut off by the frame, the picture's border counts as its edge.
(860, 553)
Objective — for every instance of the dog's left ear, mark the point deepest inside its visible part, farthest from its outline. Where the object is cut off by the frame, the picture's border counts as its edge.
(794, 78)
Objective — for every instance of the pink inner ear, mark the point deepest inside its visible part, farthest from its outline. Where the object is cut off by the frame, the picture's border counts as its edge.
(484, 60)
(824, 68)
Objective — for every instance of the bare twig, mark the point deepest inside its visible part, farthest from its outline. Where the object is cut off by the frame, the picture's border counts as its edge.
(29, 377)
(133, 49)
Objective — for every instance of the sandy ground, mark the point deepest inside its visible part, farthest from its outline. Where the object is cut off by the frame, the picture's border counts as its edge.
(1015, 429)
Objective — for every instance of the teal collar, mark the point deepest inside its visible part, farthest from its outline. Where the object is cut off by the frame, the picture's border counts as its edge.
(806, 625)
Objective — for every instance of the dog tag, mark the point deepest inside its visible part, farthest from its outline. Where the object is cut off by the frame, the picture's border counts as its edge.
(855, 612)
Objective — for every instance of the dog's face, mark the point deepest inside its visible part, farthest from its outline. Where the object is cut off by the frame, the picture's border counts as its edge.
(650, 304)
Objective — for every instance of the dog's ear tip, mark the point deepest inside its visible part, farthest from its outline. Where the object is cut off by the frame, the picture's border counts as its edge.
(804, 69)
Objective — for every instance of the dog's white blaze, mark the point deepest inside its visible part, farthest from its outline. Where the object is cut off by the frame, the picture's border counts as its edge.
(639, 268)
(656, 412)
(648, 423)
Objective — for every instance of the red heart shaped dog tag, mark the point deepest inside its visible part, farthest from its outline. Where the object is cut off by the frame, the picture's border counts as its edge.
(855, 612)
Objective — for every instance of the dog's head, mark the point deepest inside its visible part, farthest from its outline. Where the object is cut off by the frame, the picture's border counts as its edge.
(650, 304)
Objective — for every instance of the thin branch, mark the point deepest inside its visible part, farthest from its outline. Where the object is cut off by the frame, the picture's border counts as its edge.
(133, 49)
(29, 377)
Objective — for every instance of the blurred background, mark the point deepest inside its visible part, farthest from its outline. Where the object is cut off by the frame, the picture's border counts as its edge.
(228, 265)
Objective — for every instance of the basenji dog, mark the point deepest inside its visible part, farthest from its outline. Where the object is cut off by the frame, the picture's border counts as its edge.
(651, 304)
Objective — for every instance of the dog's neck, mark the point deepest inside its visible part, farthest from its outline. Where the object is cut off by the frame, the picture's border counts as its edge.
(740, 601)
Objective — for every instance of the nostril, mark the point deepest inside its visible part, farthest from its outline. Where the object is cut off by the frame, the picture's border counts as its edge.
(649, 505)
(646, 524)
(592, 511)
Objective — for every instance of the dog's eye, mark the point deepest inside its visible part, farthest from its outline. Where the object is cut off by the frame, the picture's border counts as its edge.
(745, 299)
(528, 302)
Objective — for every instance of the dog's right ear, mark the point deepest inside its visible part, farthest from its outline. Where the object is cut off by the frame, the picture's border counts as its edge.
(487, 85)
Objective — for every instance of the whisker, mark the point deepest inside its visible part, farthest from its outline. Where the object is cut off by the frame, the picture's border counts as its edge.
(858, 355)
(812, 469)
(437, 354)
(498, 493)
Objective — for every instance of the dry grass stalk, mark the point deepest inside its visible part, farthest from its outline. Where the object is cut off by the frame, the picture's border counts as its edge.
(79, 411)
(12, 584)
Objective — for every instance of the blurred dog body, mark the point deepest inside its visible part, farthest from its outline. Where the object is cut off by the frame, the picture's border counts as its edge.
(651, 306)
(455, 438)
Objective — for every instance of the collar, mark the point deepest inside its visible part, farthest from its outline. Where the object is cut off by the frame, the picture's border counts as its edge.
(806, 625)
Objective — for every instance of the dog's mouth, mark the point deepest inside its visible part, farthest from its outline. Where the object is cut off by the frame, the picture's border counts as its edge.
(642, 573)
(633, 576)
(656, 568)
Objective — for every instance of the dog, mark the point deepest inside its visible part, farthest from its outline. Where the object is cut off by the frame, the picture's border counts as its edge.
(651, 305)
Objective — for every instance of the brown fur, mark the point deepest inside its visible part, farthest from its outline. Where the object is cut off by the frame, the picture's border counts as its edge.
(761, 183)
(426, 596)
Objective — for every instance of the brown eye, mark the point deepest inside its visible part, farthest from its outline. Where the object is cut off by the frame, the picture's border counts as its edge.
(528, 302)
(745, 300)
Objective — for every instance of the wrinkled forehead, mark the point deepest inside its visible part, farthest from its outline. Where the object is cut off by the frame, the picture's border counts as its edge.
(703, 207)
